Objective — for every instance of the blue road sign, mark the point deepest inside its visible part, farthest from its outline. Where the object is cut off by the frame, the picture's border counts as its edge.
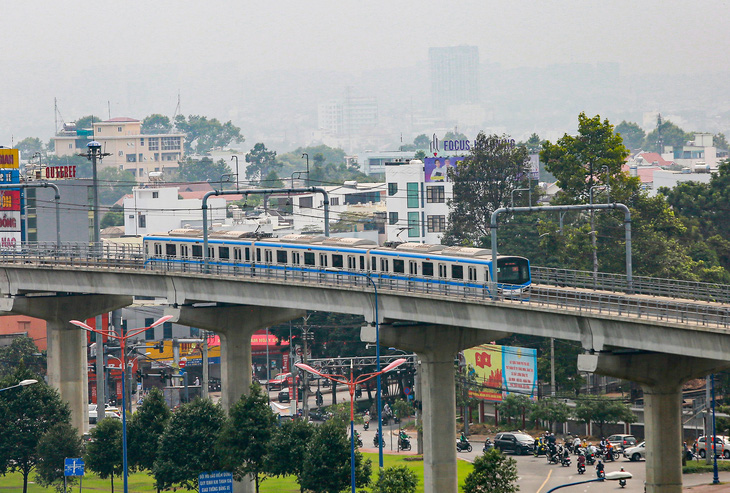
(73, 467)
(215, 482)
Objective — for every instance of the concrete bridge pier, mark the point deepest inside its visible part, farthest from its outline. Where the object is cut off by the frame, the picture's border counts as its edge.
(67, 361)
(661, 376)
(436, 346)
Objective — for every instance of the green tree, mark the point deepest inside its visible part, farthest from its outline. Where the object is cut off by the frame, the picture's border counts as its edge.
(484, 183)
(104, 452)
(29, 146)
(288, 448)
(203, 169)
(115, 217)
(28, 413)
(58, 443)
(455, 135)
(601, 410)
(551, 411)
(243, 443)
(666, 133)
(272, 180)
(396, 479)
(514, 406)
(422, 141)
(145, 428)
(261, 162)
(114, 184)
(327, 464)
(632, 134)
(719, 141)
(203, 135)
(86, 121)
(420, 155)
(187, 447)
(533, 143)
(156, 124)
(588, 159)
(492, 473)
(22, 352)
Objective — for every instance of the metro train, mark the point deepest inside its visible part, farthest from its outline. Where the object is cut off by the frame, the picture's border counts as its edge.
(432, 266)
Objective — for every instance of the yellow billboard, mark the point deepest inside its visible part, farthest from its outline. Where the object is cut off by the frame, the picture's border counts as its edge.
(485, 364)
(9, 158)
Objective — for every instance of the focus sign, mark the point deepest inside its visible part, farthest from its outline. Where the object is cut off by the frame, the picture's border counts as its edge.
(73, 467)
(215, 482)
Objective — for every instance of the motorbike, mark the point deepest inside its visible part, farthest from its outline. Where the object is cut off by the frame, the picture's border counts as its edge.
(565, 460)
(581, 468)
(487, 445)
(463, 446)
(404, 443)
(375, 441)
(622, 482)
(358, 441)
(366, 425)
(590, 459)
(541, 449)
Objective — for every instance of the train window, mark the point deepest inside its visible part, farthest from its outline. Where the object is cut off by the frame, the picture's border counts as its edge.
(427, 269)
(457, 272)
(337, 261)
(398, 266)
(171, 250)
(308, 258)
(373, 264)
(442, 270)
(247, 252)
(384, 265)
(295, 258)
(362, 262)
(269, 256)
(197, 251)
(323, 260)
(158, 249)
(211, 252)
(236, 254)
(258, 255)
(351, 262)
(413, 268)
(184, 251)
(281, 257)
(224, 253)
(487, 277)
(472, 273)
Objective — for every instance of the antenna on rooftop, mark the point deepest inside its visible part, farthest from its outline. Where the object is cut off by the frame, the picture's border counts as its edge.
(177, 108)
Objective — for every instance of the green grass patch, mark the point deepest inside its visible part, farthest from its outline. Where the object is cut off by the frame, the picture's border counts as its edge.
(696, 466)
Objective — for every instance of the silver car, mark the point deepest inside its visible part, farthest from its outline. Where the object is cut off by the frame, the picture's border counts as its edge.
(636, 453)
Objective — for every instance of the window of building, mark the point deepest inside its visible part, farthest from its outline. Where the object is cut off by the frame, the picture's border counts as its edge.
(167, 330)
(141, 172)
(149, 334)
(392, 189)
(335, 201)
(392, 218)
(98, 130)
(131, 158)
(194, 332)
(119, 129)
(155, 195)
(171, 143)
(157, 156)
(142, 221)
(436, 224)
(121, 153)
(435, 195)
(305, 202)
(141, 157)
(141, 141)
(412, 194)
(70, 146)
(413, 227)
(153, 143)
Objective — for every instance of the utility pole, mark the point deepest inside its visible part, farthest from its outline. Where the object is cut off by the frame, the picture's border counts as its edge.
(305, 375)
(204, 351)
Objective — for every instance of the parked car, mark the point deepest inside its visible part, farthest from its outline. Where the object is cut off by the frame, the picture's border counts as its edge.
(278, 382)
(722, 447)
(621, 442)
(636, 453)
(92, 413)
(515, 442)
(284, 396)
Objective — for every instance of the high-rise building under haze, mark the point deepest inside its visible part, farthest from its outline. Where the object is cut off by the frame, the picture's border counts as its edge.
(454, 76)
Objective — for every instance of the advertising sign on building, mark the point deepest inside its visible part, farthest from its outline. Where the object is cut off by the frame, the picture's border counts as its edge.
(501, 370)
(9, 158)
(436, 168)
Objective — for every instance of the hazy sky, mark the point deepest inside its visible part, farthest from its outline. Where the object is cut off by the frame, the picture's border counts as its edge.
(646, 35)
(210, 51)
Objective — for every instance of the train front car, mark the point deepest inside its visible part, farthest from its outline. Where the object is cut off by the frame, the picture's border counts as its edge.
(513, 277)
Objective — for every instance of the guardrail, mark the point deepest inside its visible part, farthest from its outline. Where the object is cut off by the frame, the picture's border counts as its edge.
(574, 291)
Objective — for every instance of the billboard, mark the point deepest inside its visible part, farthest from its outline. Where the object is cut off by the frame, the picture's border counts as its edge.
(501, 370)
(436, 168)
(9, 158)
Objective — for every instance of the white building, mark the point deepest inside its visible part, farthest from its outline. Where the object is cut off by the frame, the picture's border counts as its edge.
(373, 162)
(697, 153)
(352, 115)
(417, 209)
(158, 210)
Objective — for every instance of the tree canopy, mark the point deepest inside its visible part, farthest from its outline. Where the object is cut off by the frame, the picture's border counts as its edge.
(104, 452)
(156, 124)
(203, 169)
(483, 183)
(145, 429)
(29, 146)
(203, 135)
(632, 134)
(114, 184)
(666, 133)
(261, 162)
(493, 473)
(60, 442)
(601, 410)
(22, 352)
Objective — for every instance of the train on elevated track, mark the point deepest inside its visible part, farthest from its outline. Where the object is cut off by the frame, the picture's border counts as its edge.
(432, 266)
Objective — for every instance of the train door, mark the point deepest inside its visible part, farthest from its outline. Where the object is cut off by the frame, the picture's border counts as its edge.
(351, 262)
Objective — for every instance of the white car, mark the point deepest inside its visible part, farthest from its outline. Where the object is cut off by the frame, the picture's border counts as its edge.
(636, 453)
(92, 414)
(109, 412)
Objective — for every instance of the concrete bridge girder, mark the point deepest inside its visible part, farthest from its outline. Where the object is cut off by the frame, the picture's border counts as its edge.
(67, 359)
(436, 346)
(661, 377)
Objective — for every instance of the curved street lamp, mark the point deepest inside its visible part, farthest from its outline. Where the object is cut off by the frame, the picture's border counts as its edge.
(351, 383)
(22, 383)
(123, 344)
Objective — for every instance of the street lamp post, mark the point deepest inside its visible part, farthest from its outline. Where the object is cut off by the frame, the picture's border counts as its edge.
(22, 383)
(123, 343)
(351, 384)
